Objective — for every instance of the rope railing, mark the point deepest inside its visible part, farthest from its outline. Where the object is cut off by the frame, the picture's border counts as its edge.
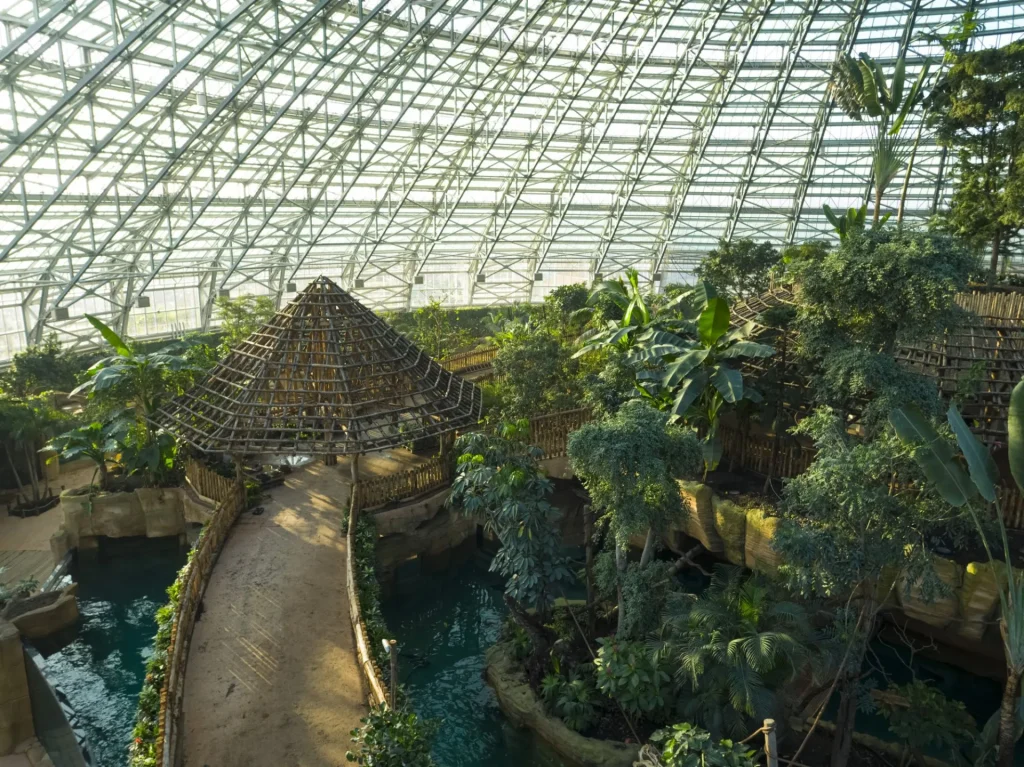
(230, 500)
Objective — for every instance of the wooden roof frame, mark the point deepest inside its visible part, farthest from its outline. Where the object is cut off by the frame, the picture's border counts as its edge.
(325, 376)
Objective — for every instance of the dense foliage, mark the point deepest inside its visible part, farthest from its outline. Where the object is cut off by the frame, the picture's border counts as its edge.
(739, 269)
(684, 745)
(241, 317)
(46, 367)
(393, 738)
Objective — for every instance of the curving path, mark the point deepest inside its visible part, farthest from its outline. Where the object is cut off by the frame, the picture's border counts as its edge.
(272, 678)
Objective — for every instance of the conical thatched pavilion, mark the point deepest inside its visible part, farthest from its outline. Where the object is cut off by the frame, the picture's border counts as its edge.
(326, 376)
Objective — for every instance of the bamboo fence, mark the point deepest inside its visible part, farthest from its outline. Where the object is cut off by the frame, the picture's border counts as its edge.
(371, 673)
(471, 361)
(230, 500)
(380, 491)
(551, 432)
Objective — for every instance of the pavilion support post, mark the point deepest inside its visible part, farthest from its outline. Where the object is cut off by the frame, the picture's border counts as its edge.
(355, 468)
(330, 460)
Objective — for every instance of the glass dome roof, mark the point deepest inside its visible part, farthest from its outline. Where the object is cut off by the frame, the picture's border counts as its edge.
(157, 155)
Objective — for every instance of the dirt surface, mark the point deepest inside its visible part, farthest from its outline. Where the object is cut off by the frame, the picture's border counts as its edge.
(272, 677)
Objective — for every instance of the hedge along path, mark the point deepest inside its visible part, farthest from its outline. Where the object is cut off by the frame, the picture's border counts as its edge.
(272, 676)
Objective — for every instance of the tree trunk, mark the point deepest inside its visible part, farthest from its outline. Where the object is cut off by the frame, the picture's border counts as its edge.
(1008, 718)
(993, 266)
(14, 471)
(537, 661)
(588, 536)
(878, 206)
(33, 471)
(104, 474)
(846, 720)
(620, 565)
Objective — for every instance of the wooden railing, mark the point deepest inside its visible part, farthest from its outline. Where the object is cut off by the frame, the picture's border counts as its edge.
(208, 482)
(230, 503)
(467, 362)
(371, 672)
(380, 491)
(551, 432)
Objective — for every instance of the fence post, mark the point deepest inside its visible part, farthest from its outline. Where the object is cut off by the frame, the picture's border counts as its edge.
(770, 751)
(393, 653)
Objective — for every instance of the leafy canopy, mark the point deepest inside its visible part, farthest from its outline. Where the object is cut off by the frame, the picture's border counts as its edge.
(739, 268)
(241, 317)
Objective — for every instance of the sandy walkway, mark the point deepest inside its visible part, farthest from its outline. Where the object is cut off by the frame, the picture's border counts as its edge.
(272, 679)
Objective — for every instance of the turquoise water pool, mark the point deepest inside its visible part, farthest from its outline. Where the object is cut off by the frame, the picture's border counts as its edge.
(444, 625)
(100, 670)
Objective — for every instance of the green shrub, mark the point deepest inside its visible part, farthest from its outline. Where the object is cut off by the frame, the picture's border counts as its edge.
(684, 745)
(393, 738)
(571, 700)
(633, 676)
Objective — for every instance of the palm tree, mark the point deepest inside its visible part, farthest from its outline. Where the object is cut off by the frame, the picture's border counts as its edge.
(860, 88)
(93, 441)
(735, 646)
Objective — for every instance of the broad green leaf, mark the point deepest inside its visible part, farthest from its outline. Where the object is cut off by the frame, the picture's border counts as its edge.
(913, 98)
(682, 367)
(1015, 440)
(112, 338)
(983, 469)
(831, 216)
(869, 91)
(933, 454)
(613, 290)
(898, 75)
(752, 394)
(711, 450)
(747, 349)
(713, 321)
(689, 392)
(106, 378)
(729, 383)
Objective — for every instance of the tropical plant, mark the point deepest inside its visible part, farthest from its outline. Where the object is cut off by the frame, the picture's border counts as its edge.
(536, 373)
(141, 379)
(16, 589)
(92, 441)
(634, 677)
(393, 738)
(739, 269)
(848, 527)
(853, 221)
(498, 478)
(976, 490)
(571, 700)
(875, 291)
(436, 330)
(978, 114)
(925, 719)
(734, 647)
(28, 422)
(46, 367)
(629, 464)
(701, 376)
(860, 88)
(242, 316)
(684, 745)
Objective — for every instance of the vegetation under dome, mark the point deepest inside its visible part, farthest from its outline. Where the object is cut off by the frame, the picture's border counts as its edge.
(692, 330)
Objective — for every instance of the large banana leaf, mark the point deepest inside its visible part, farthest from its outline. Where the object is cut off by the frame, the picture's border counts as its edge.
(729, 383)
(898, 76)
(933, 454)
(689, 392)
(112, 338)
(869, 92)
(1015, 426)
(746, 349)
(713, 321)
(912, 100)
(682, 367)
(984, 472)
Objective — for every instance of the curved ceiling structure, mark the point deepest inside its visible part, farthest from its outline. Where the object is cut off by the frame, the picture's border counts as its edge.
(156, 155)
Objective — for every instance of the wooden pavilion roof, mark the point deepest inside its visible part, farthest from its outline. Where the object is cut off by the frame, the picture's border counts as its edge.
(988, 348)
(326, 376)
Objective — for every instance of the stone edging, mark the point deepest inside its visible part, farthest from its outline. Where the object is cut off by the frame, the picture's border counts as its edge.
(371, 674)
(522, 707)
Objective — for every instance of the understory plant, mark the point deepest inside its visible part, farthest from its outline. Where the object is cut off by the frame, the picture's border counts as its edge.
(572, 699)
(926, 720)
(634, 677)
(733, 648)
(685, 745)
(393, 738)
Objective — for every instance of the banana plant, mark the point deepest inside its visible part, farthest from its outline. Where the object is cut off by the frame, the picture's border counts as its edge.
(639, 319)
(93, 441)
(852, 221)
(695, 378)
(860, 88)
(970, 479)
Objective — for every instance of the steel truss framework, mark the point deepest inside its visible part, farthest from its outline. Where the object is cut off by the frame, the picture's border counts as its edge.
(156, 155)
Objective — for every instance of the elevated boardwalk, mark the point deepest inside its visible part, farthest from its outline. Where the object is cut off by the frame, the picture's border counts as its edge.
(272, 677)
